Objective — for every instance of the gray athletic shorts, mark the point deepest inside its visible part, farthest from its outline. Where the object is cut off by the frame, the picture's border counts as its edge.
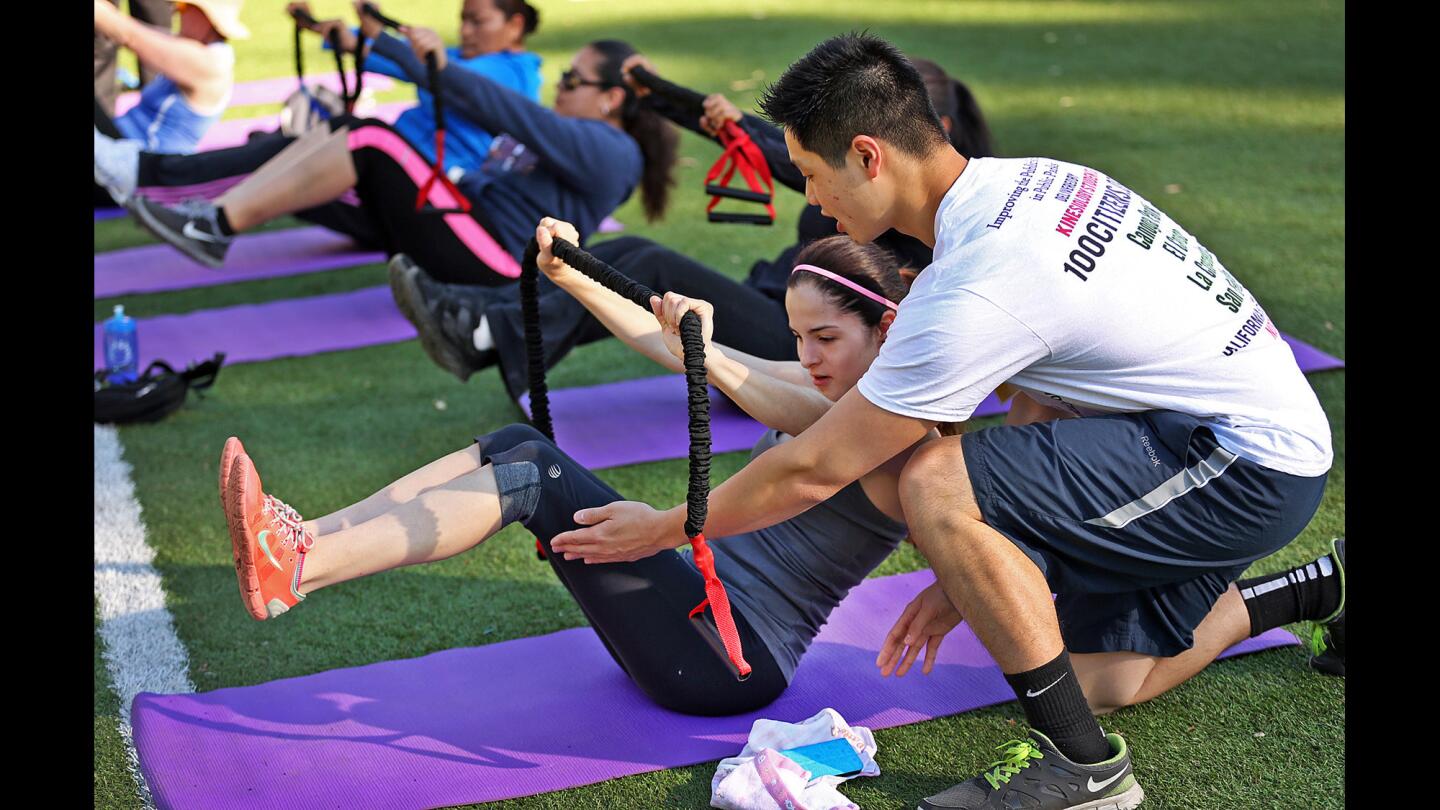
(1138, 521)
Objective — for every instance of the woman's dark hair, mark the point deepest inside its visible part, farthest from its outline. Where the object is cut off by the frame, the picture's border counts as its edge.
(869, 266)
(854, 84)
(658, 140)
(968, 132)
(512, 7)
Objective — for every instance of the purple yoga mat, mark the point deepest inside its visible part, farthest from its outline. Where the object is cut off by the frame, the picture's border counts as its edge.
(274, 91)
(251, 332)
(102, 214)
(521, 717)
(153, 268)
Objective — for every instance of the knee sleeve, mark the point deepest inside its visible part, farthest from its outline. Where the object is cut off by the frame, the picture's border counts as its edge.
(518, 483)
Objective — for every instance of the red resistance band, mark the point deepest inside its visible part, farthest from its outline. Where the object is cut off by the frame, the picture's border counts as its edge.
(719, 603)
(741, 153)
(438, 173)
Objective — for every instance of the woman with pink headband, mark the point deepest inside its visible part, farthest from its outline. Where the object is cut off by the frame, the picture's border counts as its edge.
(783, 581)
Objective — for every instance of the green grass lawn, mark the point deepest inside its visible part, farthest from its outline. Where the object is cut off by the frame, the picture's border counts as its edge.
(1229, 115)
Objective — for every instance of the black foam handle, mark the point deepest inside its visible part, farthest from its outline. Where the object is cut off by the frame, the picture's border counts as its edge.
(303, 17)
(609, 277)
(432, 74)
(534, 345)
(372, 11)
(736, 193)
(677, 95)
(746, 219)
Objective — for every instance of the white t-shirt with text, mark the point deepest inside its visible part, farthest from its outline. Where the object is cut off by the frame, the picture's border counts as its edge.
(1076, 290)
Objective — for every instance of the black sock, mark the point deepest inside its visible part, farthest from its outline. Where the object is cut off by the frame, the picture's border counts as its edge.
(223, 223)
(1308, 593)
(1055, 706)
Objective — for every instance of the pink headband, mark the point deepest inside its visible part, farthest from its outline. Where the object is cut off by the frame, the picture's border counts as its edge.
(819, 271)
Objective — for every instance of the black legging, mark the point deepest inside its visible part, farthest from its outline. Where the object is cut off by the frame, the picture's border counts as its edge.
(638, 609)
(745, 318)
(202, 168)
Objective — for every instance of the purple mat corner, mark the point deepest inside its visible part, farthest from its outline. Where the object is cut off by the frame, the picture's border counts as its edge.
(519, 718)
(154, 268)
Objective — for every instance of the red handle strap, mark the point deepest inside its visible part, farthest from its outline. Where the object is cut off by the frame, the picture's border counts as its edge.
(741, 153)
(719, 603)
(438, 173)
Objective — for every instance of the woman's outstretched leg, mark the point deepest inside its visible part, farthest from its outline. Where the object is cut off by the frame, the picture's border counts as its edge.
(308, 173)
(279, 557)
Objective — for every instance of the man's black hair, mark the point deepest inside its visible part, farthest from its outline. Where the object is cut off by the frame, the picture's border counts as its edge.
(854, 84)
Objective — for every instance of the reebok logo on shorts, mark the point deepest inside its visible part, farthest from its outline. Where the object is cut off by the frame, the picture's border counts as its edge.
(1149, 451)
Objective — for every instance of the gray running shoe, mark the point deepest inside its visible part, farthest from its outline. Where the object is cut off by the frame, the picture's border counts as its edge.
(1034, 774)
(191, 227)
(1328, 641)
(117, 165)
(445, 316)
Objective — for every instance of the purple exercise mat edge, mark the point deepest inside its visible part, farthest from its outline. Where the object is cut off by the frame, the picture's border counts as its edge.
(157, 268)
(486, 725)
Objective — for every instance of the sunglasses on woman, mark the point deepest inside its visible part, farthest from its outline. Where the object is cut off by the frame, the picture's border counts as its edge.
(570, 80)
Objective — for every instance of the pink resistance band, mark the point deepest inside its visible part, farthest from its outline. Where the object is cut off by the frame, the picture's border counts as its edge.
(820, 271)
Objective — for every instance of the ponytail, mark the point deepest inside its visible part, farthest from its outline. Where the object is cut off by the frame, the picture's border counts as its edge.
(971, 135)
(659, 142)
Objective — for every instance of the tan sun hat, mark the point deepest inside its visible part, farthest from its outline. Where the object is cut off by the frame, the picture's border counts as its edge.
(224, 15)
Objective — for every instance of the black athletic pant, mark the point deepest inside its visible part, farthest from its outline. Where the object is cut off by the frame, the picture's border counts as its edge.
(745, 318)
(638, 609)
(202, 168)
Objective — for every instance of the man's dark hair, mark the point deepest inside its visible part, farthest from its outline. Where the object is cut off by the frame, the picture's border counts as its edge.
(854, 84)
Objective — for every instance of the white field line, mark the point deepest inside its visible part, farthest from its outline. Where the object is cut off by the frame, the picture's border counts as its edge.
(142, 652)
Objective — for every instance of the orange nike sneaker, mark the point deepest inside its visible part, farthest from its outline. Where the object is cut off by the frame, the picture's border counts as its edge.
(269, 543)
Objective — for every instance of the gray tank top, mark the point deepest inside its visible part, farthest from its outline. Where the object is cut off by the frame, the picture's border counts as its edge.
(786, 579)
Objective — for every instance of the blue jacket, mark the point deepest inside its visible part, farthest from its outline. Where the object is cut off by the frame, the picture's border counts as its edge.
(546, 164)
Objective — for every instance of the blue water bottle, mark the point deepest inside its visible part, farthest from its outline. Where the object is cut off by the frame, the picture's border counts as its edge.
(122, 348)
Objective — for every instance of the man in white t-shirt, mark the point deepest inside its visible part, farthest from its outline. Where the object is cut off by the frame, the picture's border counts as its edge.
(1163, 437)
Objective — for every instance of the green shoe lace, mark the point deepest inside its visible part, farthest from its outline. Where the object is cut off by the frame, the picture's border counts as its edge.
(1317, 640)
(1018, 754)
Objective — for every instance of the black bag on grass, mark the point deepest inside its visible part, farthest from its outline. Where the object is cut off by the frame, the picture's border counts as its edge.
(159, 392)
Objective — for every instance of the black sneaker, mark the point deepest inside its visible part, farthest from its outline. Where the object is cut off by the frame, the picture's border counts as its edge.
(1328, 641)
(445, 315)
(1034, 774)
(191, 227)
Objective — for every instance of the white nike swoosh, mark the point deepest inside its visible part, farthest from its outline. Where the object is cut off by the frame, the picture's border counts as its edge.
(1028, 693)
(195, 233)
(1095, 787)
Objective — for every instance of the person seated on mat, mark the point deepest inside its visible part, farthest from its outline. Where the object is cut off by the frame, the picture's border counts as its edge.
(492, 43)
(465, 328)
(196, 67)
(582, 160)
